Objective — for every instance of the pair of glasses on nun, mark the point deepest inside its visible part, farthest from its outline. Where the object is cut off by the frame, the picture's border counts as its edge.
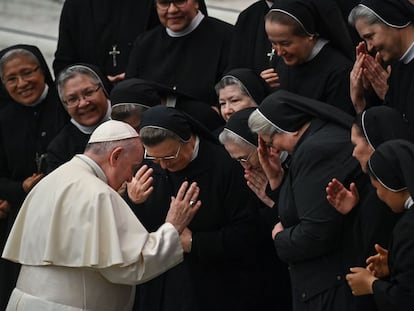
(25, 75)
(166, 158)
(165, 5)
(244, 160)
(74, 100)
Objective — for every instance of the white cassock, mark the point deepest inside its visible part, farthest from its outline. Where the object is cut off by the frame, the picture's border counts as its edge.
(80, 245)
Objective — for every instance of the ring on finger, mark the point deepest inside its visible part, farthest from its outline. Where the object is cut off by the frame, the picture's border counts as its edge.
(192, 203)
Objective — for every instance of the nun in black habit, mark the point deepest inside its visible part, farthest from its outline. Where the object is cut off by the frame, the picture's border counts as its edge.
(393, 24)
(87, 90)
(241, 144)
(309, 236)
(32, 117)
(370, 221)
(390, 274)
(218, 271)
(187, 52)
(102, 32)
(315, 51)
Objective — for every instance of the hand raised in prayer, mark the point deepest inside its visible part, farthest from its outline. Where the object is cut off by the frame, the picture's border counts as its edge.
(4, 209)
(184, 206)
(31, 181)
(257, 182)
(271, 77)
(357, 82)
(277, 229)
(376, 74)
(269, 159)
(342, 199)
(140, 187)
(378, 264)
(360, 281)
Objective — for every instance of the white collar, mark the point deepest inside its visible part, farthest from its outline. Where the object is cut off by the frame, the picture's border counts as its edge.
(41, 98)
(269, 4)
(408, 204)
(196, 148)
(317, 48)
(193, 25)
(408, 55)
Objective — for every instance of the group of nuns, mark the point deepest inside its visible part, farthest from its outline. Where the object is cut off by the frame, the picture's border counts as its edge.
(339, 187)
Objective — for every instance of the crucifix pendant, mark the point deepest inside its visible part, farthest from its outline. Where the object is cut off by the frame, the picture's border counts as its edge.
(114, 53)
(271, 55)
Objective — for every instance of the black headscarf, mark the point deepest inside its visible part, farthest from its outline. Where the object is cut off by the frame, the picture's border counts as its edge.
(288, 112)
(257, 88)
(382, 123)
(392, 164)
(394, 13)
(238, 124)
(178, 122)
(42, 63)
(135, 91)
(322, 17)
(106, 84)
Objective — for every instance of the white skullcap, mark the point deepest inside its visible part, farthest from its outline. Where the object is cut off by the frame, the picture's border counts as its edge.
(112, 130)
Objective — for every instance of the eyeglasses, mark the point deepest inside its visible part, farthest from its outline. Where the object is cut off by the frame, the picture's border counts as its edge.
(242, 160)
(74, 100)
(26, 74)
(165, 5)
(167, 158)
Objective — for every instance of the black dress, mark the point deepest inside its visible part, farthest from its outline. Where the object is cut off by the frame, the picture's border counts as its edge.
(250, 44)
(311, 242)
(25, 132)
(191, 64)
(219, 272)
(89, 29)
(69, 142)
(325, 78)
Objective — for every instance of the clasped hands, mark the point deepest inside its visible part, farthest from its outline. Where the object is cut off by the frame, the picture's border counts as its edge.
(360, 279)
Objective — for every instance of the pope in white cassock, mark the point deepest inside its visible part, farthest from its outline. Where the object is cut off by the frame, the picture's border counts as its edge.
(80, 245)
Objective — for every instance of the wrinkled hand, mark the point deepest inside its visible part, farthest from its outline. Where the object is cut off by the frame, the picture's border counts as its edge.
(140, 187)
(339, 197)
(269, 159)
(257, 182)
(378, 264)
(271, 77)
(360, 281)
(31, 181)
(186, 240)
(4, 209)
(376, 74)
(277, 229)
(181, 210)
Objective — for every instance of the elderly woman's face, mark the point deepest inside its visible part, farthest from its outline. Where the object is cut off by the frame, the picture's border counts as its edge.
(171, 154)
(87, 110)
(23, 79)
(231, 100)
(293, 49)
(178, 15)
(244, 154)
